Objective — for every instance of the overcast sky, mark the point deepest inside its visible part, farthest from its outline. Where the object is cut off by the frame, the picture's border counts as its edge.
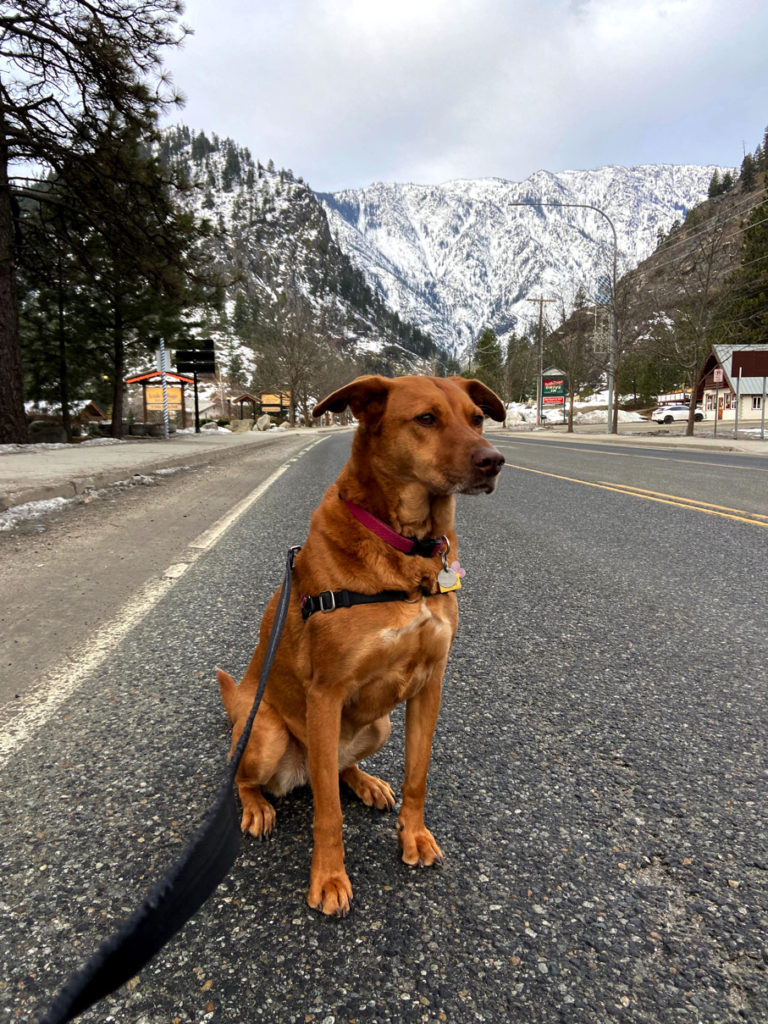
(350, 92)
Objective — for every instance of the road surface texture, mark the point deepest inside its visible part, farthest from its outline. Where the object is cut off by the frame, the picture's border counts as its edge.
(71, 571)
(598, 782)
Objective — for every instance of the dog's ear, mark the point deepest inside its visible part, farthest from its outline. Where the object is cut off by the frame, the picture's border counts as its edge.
(481, 395)
(365, 396)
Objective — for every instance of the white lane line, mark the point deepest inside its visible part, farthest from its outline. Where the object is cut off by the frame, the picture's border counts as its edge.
(175, 572)
(210, 536)
(39, 706)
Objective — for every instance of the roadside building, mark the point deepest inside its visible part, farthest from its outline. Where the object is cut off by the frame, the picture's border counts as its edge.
(150, 407)
(721, 386)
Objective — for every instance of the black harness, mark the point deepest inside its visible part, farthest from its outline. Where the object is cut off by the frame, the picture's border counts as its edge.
(330, 600)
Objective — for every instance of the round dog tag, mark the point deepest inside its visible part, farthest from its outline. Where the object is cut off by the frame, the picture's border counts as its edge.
(446, 579)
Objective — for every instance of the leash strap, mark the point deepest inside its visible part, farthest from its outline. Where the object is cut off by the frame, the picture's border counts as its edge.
(186, 885)
(330, 600)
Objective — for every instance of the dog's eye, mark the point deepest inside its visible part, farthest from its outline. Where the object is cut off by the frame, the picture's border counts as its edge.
(478, 419)
(427, 419)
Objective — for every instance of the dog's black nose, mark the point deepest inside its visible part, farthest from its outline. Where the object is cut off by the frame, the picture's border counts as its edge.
(488, 461)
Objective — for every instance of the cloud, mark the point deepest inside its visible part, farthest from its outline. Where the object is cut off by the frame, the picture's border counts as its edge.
(348, 93)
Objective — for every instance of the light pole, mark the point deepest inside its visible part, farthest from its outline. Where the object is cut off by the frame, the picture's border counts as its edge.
(612, 344)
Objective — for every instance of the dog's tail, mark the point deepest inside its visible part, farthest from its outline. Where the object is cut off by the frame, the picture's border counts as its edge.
(228, 688)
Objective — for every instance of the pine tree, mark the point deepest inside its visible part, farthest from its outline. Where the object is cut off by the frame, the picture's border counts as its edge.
(748, 176)
(520, 369)
(715, 185)
(136, 271)
(69, 70)
(489, 361)
(743, 314)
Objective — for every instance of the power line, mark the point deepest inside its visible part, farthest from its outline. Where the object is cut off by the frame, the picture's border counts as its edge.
(693, 236)
(683, 255)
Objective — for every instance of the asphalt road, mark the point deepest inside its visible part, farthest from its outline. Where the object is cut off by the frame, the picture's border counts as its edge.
(72, 572)
(598, 778)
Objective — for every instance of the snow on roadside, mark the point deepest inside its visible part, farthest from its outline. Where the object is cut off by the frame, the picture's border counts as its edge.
(11, 517)
(14, 449)
(519, 413)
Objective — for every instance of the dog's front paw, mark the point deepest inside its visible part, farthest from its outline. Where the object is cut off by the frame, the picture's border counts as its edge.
(419, 847)
(331, 894)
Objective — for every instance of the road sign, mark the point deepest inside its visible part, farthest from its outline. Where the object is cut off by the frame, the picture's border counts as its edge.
(197, 360)
(717, 376)
(553, 387)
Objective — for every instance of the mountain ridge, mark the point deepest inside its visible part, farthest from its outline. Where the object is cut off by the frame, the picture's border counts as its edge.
(458, 257)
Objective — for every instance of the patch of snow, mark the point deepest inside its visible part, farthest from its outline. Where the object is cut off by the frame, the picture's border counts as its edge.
(33, 510)
(11, 517)
(519, 413)
(15, 449)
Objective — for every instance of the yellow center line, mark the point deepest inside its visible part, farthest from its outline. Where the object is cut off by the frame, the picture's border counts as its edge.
(568, 446)
(647, 496)
(690, 501)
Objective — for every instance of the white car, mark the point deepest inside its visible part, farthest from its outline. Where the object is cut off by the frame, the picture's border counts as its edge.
(670, 413)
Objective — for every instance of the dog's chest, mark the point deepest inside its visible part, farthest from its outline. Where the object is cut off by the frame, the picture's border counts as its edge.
(400, 660)
(425, 630)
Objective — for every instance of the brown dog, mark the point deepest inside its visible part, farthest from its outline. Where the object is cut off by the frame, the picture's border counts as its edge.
(390, 621)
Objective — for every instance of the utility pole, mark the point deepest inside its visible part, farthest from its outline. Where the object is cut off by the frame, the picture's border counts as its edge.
(612, 344)
(541, 302)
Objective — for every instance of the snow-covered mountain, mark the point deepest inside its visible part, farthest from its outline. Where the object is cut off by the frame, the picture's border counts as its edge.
(459, 257)
(272, 247)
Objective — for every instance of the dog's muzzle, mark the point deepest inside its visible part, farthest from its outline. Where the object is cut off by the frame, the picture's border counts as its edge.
(486, 466)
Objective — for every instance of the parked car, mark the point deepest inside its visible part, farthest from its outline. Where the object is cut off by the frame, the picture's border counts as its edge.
(670, 413)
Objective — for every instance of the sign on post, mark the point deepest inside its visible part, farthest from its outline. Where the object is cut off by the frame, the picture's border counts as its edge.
(154, 397)
(197, 360)
(194, 361)
(751, 364)
(553, 390)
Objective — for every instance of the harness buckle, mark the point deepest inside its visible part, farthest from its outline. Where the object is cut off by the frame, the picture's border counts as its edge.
(320, 602)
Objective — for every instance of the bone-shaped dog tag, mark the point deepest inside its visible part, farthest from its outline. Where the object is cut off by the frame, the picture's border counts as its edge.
(448, 580)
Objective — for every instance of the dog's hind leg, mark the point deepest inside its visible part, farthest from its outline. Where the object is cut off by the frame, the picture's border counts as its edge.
(372, 791)
(267, 746)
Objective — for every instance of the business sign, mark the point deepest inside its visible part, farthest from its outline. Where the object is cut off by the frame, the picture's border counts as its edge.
(553, 387)
(154, 397)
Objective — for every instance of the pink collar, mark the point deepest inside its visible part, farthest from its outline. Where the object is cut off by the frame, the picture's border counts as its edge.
(408, 545)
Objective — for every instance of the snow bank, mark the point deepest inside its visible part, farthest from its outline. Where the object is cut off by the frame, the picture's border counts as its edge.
(518, 414)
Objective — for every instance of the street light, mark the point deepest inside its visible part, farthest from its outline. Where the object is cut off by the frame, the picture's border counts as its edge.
(612, 344)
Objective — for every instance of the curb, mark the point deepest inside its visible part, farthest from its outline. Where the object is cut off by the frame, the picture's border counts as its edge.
(12, 497)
